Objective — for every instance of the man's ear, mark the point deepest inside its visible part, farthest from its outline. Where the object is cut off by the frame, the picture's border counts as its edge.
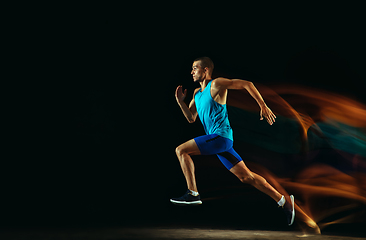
(206, 70)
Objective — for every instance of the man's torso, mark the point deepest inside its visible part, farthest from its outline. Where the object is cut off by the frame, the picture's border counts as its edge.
(211, 108)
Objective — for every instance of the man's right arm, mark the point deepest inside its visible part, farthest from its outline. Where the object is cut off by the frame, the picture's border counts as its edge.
(189, 112)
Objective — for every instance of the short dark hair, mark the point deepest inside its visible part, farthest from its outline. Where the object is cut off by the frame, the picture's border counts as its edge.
(206, 62)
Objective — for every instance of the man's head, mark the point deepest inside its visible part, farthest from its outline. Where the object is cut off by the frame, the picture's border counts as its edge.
(202, 69)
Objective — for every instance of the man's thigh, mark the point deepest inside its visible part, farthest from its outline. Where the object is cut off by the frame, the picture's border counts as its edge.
(229, 158)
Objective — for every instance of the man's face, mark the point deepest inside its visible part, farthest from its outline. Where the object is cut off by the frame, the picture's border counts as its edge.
(198, 73)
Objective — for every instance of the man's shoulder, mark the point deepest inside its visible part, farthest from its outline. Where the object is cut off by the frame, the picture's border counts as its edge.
(196, 90)
(220, 82)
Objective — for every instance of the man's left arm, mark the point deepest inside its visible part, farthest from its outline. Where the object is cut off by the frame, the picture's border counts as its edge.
(249, 86)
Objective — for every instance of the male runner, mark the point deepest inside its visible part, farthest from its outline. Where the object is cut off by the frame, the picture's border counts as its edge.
(209, 103)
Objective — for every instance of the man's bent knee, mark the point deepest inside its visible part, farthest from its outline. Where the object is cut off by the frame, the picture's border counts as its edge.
(180, 150)
(188, 147)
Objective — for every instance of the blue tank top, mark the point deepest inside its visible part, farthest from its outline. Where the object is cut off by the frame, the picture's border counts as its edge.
(213, 115)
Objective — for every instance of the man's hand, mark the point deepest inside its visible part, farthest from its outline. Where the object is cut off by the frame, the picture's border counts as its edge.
(189, 112)
(179, 95)
(268, 114)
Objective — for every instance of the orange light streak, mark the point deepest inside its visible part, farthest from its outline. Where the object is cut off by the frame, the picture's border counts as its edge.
(322, 191)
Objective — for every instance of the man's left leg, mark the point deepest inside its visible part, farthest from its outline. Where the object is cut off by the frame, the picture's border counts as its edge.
(246, 176)
(233, 162)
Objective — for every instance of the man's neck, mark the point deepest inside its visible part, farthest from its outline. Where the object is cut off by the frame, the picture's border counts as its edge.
(205, 82)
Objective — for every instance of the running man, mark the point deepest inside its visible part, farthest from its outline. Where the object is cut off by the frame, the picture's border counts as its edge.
(209, 103)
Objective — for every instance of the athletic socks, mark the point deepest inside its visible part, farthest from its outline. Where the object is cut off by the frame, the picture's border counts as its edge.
(194, 193)
(282, 201)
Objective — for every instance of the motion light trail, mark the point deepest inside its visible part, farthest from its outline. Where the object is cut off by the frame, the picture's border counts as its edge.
(322, 137)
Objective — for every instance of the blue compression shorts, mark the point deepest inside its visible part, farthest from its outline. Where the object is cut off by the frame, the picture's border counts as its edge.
(221, 146)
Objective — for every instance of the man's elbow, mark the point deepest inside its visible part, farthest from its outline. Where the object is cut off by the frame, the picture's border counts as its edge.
(191, 120)
(247, 84)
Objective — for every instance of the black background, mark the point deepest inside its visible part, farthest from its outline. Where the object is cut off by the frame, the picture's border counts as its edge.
(94, 122)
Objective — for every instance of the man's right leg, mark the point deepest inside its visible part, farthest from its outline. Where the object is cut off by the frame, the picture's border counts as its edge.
(203, 145)
(184, 152)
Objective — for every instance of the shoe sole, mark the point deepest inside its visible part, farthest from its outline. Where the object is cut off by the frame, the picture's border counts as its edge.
(293, 209)
(186, 203)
